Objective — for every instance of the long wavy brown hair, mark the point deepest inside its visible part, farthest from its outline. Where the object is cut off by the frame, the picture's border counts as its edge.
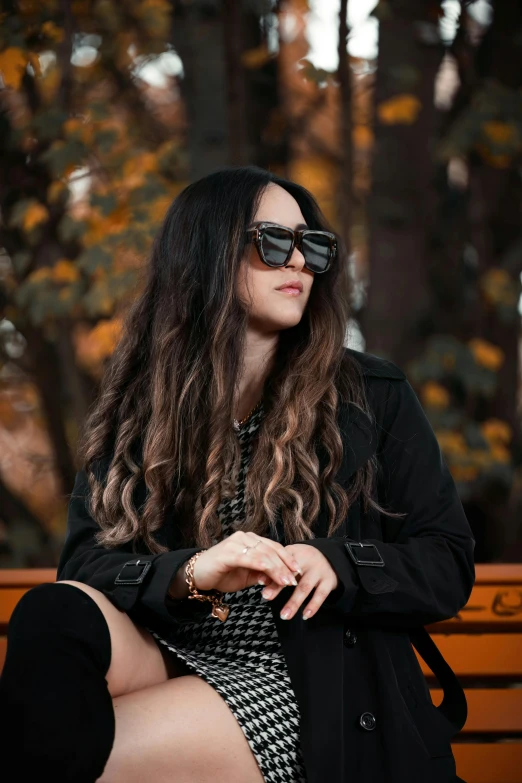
(164, 412)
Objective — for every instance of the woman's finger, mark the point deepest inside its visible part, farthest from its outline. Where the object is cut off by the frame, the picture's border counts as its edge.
(306, 584)
(322, 590)
(271, 590)
(264, 558)
(284, 553)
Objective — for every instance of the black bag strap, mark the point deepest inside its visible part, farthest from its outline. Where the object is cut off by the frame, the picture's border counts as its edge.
(454, 706)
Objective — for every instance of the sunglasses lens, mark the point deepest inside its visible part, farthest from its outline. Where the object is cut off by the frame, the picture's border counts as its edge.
(316, 250)
(276, 243)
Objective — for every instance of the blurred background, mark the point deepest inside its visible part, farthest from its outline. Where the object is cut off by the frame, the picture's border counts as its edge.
(403, 117)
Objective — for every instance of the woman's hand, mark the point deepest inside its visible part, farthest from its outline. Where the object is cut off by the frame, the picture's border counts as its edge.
(317, 575)
(225, 567)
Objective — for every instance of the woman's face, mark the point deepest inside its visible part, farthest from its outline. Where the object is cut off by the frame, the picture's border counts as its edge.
(269, 308)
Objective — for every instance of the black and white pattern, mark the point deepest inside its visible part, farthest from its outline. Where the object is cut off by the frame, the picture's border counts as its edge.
(242, 657)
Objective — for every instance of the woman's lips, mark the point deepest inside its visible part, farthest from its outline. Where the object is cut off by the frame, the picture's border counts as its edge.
(291, 291)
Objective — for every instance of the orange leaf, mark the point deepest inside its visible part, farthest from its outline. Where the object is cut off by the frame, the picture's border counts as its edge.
(35, 215)
(399, 110)
(486, 354)
(13, 62)
(50, 30)
(434, 395)
(64, 271)
(255, 58)
(499, 132)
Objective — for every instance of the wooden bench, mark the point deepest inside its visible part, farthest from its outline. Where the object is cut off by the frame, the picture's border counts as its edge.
(483, 645)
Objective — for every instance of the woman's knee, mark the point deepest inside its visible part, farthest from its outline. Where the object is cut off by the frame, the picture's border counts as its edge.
(136, 661)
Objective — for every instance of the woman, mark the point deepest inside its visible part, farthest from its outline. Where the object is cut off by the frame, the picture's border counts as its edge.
(239, 451)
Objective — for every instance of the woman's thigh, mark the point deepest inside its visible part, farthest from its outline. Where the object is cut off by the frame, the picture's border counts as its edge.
(136, 659)
(179, 731)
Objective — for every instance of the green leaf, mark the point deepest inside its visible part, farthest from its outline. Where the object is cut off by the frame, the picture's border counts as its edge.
(48, 124)
(92, 258)
(106, 203)
(64, 154)
(69, 229)
(105, 140)
(21, 261)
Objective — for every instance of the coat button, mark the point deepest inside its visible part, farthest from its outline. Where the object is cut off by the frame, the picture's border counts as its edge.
(350, 638)
(367, 721)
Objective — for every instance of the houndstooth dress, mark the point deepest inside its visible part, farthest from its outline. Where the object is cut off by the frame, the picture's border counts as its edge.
(242, 657)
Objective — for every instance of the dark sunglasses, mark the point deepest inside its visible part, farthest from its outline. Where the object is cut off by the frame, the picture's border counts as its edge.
(275, 245)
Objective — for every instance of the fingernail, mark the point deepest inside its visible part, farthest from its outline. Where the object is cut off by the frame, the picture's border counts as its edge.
(307, 613)
(297, 570)
(266, 593)
(285, 614)
(293, 582)
(261, 581)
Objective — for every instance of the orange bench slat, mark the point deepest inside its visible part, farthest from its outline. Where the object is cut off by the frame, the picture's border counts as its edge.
(26, 577)
(497, 762)
(490, 710)
(487, 655)
(489, 608)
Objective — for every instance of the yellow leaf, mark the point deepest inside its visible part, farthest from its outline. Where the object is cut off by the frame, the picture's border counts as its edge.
(480, 457)
(50, 30)
(13, 62)
(49, 84)
(500, 132)
(39, 275)
(400, 110)
(500, 453)
(499, 288)
(55, 190)
(140, 164)
(100, 227)
(486, 354)
(64, 271)
(255, 58)
(105, 336)
(64, 294)
(34, 215)
(451, 442)
(158, 208)
(496, 431)
(434, 395)
(464, 472)
(495, 160)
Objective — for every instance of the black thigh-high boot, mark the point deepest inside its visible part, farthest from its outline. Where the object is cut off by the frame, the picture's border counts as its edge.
(58, 715)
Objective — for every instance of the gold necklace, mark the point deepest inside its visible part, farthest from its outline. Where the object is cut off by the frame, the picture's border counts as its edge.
(239, 424)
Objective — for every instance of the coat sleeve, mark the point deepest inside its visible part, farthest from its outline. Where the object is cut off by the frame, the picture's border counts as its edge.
(428, 570)
(145, 577)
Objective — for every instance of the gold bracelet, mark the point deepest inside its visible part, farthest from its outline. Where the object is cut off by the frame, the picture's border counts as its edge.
(219, 609)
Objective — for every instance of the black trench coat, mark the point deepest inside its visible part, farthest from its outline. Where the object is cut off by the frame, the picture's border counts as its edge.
(366, 711)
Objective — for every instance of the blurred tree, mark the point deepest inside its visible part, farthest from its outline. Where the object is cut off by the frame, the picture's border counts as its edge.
(90, 157)
(231, 82)
(402, 199)
(445, 246)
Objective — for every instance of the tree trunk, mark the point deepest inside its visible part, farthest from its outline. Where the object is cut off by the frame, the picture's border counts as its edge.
(396, 317)
(199, 39)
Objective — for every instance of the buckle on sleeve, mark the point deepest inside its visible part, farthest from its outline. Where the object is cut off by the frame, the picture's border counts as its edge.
(364, 554)
(133, 572)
